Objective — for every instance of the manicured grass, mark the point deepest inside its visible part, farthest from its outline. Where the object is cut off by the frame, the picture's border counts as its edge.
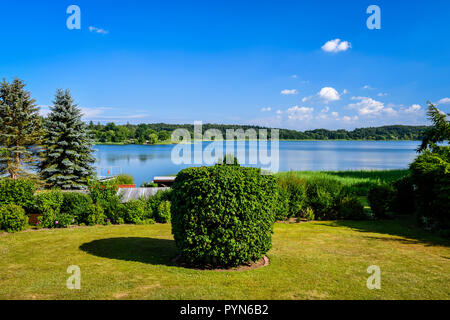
(315, 260)
(359, 181)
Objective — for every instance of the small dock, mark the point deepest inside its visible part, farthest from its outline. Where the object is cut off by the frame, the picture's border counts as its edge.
(164, 182)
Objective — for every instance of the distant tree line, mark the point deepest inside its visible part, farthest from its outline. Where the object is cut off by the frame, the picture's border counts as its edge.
(160, 132)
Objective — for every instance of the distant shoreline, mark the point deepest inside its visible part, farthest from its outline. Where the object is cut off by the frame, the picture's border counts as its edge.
(284, 140)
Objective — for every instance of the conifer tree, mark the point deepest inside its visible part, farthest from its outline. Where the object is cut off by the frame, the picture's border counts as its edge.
(67, 148)
(20, 130)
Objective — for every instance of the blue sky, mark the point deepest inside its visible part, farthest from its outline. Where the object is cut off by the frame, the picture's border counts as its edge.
(274, 63)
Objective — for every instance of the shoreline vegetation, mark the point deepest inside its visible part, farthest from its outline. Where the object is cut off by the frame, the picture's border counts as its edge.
(170, 142)
(160, 133)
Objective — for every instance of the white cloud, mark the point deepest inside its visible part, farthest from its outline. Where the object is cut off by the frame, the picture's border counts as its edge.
(413, 108)
(300, 113)
(335, 114)
(336, 45)
(325, 110)
(444, 101)
(367, 87)
(98, 30)
(279, 112)
(368, 106)
(381, 94)
(294, 76)
(266, 109)
(288, 92)
(345, 91)
(329, 94)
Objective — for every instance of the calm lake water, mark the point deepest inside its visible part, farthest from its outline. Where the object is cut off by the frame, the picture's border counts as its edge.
(145, 162)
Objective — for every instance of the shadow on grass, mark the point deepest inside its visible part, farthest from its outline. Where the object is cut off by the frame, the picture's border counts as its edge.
(146, 250)
(403, 227)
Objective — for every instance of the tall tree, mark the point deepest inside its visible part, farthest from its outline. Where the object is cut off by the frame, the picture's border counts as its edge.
(67, 147)
(20, 129)
(439, 132)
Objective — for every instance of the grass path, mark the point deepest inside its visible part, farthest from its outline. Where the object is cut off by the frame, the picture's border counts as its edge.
(316, 260)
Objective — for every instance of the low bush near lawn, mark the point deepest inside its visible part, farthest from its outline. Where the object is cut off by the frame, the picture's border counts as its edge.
(381, 198)
(12, 218)
(430, 173)
(17, 191)
(78, 205)
(48, 205)
(223, 215)
(291, 196)
(95, 215)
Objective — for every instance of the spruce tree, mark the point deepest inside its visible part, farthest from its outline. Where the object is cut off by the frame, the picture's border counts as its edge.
(20, 130)
(67, 148)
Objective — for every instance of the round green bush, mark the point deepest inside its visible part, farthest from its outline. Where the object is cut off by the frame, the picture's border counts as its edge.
(78, 205)
(12, 218)
(134, 211)
(17, 191)
(223, 215)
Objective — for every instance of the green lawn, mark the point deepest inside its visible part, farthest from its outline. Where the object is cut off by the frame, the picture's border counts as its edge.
(315, 260)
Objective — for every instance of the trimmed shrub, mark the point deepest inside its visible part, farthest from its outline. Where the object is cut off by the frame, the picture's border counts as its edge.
(430, 173)
(78, 205)
(19, 192)
(12, 218)
(95, 215)
(163, 213)
(380, 198)
(323, 196)
(134, 211)
(48, 204)
(350, 208)
(223, 215)
(403, 201)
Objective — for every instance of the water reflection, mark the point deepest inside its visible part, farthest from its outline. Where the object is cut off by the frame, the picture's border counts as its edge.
(145, 162)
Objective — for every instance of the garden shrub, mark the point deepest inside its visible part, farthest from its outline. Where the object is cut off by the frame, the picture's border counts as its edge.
(63, 220)
(48, 205)
(113, 209)
(102, 190)
(12, 218)
(223, 215)
(163, 213)
(282, 203)
(308, 214)
(96, 215)
(78, 205)
(17, 191)
(380, 198)
(323, 196)
(154, 203)
(134, 211)
(430, 173)
(292, 188)
(350, 208)
(403, 201)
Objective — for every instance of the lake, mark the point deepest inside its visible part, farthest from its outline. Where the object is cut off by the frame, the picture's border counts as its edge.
(144, 162)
